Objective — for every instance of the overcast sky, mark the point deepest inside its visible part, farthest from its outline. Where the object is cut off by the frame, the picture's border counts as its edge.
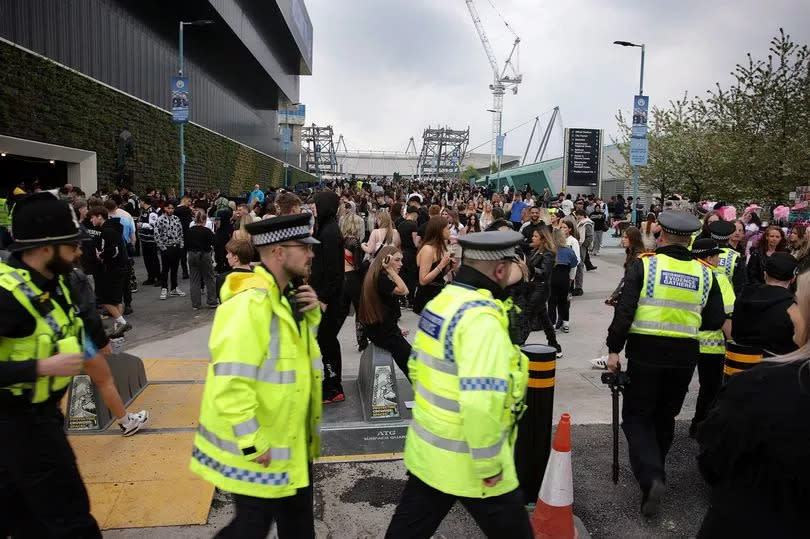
(383, 70)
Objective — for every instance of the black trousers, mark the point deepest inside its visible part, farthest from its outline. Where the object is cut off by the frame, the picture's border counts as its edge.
(254, 516)
(151, 260)
(422, 508)
(331, 322)
(397, 345)
(710, 375)
(170, 258)
(41, 491)
(651, 401)
(184, 259)
(539, 312)
(410, 273)
(558, 305)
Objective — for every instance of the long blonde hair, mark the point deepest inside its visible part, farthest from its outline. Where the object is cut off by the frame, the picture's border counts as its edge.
(384, 222)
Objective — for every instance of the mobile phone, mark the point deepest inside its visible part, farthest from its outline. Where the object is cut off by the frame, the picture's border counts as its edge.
(387, 260)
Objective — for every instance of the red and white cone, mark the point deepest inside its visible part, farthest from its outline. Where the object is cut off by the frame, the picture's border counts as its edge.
(553, 515)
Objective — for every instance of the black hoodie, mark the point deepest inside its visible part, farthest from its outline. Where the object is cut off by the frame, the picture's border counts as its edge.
(761, 318)
(327, 266)
(112, 246)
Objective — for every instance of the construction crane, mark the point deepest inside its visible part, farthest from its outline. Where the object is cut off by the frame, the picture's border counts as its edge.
(506, 78)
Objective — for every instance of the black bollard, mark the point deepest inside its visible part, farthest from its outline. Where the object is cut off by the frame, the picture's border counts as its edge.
(534, 429)
(740, 357)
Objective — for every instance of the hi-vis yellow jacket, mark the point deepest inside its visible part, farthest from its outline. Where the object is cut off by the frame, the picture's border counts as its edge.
(56, 331)
(262, 392)
(469, 384)
(673, 295)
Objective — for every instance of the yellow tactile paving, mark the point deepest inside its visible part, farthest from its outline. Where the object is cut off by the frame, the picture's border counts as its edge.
(175, 369)
(170, 405)
(143, 480)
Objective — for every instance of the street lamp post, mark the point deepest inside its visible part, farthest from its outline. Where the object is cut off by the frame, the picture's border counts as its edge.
(497, 157)
(640, 92)
(182, 124)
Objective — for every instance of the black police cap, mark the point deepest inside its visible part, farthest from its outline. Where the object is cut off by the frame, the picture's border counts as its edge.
(678, 223)
(278, 229)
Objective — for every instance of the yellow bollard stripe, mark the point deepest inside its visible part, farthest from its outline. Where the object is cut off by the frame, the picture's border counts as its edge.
(541, 382)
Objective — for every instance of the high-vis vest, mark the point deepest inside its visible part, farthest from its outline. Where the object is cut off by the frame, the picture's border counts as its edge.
(5, 214)
(52, 330)
(714, 342)
(262, 392)
(673, 295)
(729, 258)
(469, 384)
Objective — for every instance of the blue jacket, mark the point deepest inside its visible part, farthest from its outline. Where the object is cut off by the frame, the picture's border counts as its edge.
(566, 257)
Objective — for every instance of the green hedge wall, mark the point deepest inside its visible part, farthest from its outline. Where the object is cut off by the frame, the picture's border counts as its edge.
(42, 101)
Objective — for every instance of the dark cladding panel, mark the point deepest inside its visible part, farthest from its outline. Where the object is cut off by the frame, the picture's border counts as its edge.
(137, 53)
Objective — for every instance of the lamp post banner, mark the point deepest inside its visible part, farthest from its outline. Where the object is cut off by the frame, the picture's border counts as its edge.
(180, 98)
(640, 107)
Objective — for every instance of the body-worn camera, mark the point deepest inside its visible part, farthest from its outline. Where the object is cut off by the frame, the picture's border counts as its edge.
(615, 379)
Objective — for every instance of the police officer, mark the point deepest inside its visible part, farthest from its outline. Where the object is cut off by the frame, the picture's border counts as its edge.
(41, 491)
(261, 407)
(712, 343)
(469, 383)
(731, 262)
(667, 298)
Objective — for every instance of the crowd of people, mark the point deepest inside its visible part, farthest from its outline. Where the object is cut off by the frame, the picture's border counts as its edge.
(377, 250)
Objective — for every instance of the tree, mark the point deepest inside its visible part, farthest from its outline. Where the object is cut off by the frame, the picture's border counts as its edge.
(469, 172)
(750, 141)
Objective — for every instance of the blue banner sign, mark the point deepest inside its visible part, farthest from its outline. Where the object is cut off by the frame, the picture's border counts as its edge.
(180, 98)
(640, 108)
(638, 152)
(499, 145)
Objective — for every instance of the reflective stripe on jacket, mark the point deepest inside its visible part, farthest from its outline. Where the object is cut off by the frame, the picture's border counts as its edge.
(262, 392)
(729, 258)
(714, 342)
(53, 332)
(469, 384)
(673, 295)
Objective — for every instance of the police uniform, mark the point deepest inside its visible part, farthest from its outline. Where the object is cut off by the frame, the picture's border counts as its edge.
(41, 491)
(262, 394)
(712, 343)
(469, 384)
(666, 299)
(732, 263)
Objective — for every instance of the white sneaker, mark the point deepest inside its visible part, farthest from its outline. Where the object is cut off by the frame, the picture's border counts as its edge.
(164, 293)
(133, 422)
(599, 363)
(177, 292)
(566, 328)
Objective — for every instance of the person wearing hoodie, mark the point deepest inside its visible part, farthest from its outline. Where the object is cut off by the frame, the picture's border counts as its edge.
(327, 280)
(112, 251)
(766, 315)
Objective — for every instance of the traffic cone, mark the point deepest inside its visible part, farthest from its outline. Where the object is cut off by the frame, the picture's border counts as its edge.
(553, 516)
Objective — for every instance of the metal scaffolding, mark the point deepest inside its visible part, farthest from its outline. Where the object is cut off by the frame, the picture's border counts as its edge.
(443, 150)
(321, 157)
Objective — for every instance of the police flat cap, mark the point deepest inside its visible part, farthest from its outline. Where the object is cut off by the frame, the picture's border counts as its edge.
(678, 223)
(781, 266)
(278, 229)
(704, 248)
(496, 245)
(721, 230)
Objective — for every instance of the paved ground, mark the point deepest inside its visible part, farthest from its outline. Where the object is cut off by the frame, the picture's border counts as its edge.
(357, 499)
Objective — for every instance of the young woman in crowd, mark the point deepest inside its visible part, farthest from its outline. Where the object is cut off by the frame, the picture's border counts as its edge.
(648, 230)
(562, 277)
(709, 218)
(472, 225)
(486, 216)
(799, 242)
(385, 235)
(353, 284)
(569, 229)
(754, 446)
(541, 267)
(633, 246)
(379, 305)
(737, 239)
(771, 241)
(434, 261)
